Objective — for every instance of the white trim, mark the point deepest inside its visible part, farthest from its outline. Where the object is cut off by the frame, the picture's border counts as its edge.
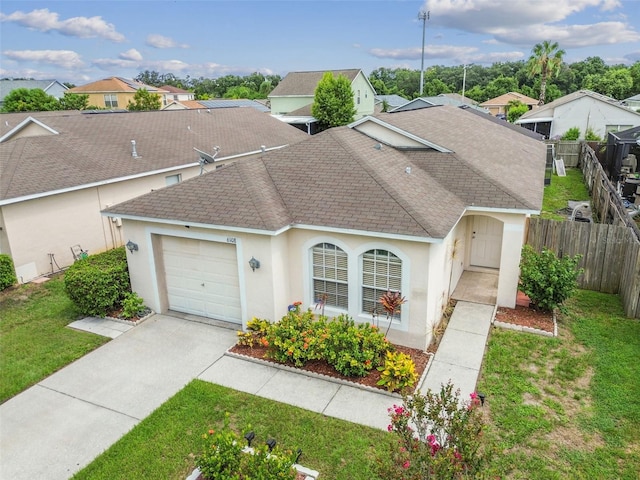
(100, 183)
(273, 233)
(534, 120)
(502, 210)
(23, 124)
(395, 129)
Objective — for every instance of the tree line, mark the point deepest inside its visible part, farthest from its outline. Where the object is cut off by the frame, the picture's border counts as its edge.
(544, 76)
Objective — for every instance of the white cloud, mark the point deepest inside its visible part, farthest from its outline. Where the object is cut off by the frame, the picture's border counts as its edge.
(160, 41)
(571, 36)
(131, 54)
(525, 22)
(83, 27)
(430, 51)
(61, 58)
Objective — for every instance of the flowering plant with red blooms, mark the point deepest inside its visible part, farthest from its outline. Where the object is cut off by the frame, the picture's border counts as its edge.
(435, 435)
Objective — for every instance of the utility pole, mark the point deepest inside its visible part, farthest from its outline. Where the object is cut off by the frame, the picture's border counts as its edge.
(424, 16)
(464, 79)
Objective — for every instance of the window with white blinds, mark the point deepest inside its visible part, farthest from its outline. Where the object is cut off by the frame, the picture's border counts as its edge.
(330, 275)
(381, 272)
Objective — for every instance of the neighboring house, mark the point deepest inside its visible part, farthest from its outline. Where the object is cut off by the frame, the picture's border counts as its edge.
(393, 101)
(583, 109)
(114, 93)
(422, 102)
(175, 94)
(292, 98)
(632, 102)
(60, 169)
(50, 87)
(460, 98)
(499, 105)
(399, 201)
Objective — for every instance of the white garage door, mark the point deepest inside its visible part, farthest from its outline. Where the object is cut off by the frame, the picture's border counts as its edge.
(202, 278)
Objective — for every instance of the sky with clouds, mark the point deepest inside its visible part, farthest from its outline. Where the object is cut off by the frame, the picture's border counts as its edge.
(79, 41)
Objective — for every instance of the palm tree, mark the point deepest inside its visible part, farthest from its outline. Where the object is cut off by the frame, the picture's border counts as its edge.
(546, 60)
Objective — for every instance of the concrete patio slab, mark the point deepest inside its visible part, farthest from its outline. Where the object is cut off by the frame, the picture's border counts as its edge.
(359, 406)
(243, 375)
(299, 390)
(101, 326)
(441, 373)
(458, 347)
(51, 435)
(145, 367)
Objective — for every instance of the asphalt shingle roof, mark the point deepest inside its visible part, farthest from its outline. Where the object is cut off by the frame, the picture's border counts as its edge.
(340, 179)
(305, 83)
(94, 147)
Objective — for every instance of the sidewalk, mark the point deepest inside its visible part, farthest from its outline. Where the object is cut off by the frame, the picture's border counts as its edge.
(60, 425)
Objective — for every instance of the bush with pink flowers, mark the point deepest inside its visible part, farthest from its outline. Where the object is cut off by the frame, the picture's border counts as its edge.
(435, 436)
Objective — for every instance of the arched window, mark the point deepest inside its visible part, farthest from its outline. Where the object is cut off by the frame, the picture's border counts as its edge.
(330, 276)
(381, 272)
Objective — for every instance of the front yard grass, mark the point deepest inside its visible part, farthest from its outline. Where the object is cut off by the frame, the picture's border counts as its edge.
(567, 407)
(164, 444)
(34, 342)
(560, 191)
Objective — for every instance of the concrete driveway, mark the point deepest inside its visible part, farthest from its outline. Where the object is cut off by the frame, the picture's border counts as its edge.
(58, 426)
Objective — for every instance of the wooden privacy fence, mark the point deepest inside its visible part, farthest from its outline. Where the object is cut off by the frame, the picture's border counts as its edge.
(568, 150)
(610, 255)
(605, 201)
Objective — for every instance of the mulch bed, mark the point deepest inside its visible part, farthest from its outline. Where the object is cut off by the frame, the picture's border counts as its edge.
(526, 317)
(420, 359)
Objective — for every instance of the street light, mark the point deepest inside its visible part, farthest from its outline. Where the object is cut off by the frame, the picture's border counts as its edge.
(424, 16)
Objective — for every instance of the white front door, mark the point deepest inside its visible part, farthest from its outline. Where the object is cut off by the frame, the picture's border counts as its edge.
(202, 278)
(486, 242)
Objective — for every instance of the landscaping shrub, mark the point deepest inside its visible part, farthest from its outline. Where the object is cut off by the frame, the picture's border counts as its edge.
(398, 372)
(297, 338)
(132, 305)
(572, 134)
(98, 283)
(223, 457)
(435, 435)
(546, 279)
(7, 272)
(354, 349)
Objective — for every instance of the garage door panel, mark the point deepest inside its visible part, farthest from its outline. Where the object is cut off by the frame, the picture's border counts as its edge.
(202, 278)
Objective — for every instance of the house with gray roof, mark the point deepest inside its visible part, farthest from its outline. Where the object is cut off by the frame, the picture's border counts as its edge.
(405, 202)
(584, 109)
(60, 169)
(292, 98)
(50, 87)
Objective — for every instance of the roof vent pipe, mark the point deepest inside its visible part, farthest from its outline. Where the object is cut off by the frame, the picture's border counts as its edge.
(134, 153)
(263, 148)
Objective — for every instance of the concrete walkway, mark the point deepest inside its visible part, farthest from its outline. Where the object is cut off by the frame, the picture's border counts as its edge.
(60, 425)
(461, 350)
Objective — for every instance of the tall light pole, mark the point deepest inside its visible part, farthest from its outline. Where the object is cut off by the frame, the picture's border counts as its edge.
(464, 79)
(424, 16)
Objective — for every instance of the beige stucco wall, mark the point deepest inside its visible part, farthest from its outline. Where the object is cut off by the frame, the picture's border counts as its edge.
(513, 237)
(34, 228)
(284, 275)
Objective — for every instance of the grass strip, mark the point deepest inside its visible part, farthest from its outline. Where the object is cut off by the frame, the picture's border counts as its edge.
(164, 445)
(33, 341)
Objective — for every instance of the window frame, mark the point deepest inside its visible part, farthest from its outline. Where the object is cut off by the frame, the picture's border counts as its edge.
(110, 100)
(340, 274)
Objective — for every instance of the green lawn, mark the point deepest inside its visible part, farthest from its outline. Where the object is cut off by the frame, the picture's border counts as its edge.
(33, 340)
(164, 444)
(567, 407)
(561, 190)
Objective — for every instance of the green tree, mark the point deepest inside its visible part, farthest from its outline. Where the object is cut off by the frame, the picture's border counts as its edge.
(515, 109)
(435, 87)
(29, 100)
(500, 86)
(545, 62)
(74, 101)
(240, 91)
(615, 82)
(144, 100)
(333, 104)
